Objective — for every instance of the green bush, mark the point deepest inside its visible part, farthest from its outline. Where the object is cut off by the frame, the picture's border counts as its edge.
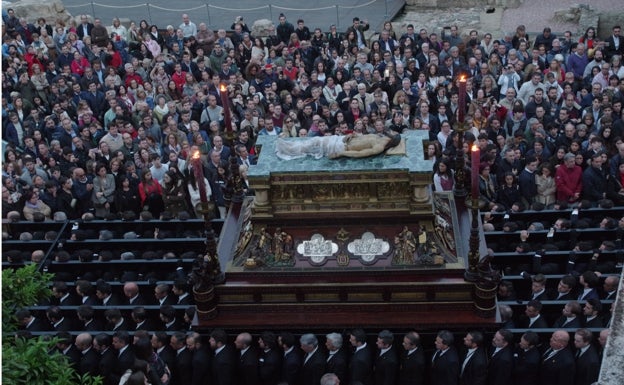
(20, 288)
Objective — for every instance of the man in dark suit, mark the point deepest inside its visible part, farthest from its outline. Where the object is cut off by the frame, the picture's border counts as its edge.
(558, 362)
(291, 363)
(168, 317)
(66, 347)
(90, 359)
(116, 322)
(565, 289)
(412, 370)
(104, 292)
(108, 358)
(125, 355)
(142, 320)
(527, 360)
(386, 363)
(533, 319)
(361, 366)
(31, 323)
(313, 366)
(474, 365)
(182, 370)
(160, 343)
(59, 322)
(538, 288)
(224, 361)
(501, 359)
(614, 45)
(202, 359)
(86, 315)
(133, 297)
(337, 362)
(247, 364)
(84, 29)
(591, 312)
(445, 364)
(161, 292)
(589, 281)
(586, 357)
(86, 292)
(182, 290)
(63, 296)
(270, 359)
(609, 287)
(570, 316)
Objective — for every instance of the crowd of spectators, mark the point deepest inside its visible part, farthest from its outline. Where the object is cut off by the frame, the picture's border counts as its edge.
(105, 118)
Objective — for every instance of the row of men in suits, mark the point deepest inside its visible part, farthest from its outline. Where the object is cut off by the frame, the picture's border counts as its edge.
(506, 364)
(573, 315)
(86, 318)
(101, 294)
(282, 359)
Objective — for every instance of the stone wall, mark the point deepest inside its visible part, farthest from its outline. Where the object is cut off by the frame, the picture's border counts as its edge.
(51, 10)
(464, 3)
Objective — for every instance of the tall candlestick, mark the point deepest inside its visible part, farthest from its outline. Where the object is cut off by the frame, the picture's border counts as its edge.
(461, 107)
(475, 160)
(199, 176)
(227, 119)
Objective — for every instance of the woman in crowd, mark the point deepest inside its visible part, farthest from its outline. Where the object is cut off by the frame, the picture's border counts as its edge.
(443, 179)
(103, 191)
(34, 205)
(150, 193)
(546, 187)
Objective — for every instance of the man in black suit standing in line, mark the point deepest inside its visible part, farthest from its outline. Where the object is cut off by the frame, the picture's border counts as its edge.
(247, 367)
(474, 365)
(412, 369)
(108, 358)
(501, 359)
(224, 361)
(202, 359)
(160, 343)
(527, 360)
(291, 363)
(182, 371)
(270, 361)
(558, 362)
(337, 361)
(90, 359)
(586, 357)
(125, 356)
(313, 366)
(591, 311)
(533, 319)
(361, 366)
(445, 361)
(570, 316)
(386, 363)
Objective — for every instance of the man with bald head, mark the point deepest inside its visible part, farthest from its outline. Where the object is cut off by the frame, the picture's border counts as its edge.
(89, 359)
(247, 366)
(134, 298)
(558, 362)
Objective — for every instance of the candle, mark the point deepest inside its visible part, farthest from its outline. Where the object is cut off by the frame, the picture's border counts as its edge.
(199, 176)
(461, 107)
(226, 107)
(475, 157)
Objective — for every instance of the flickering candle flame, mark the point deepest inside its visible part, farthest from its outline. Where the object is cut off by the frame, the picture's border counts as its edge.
(475, 160)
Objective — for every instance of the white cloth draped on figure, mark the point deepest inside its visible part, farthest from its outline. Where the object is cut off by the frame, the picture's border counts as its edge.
(318, 147)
